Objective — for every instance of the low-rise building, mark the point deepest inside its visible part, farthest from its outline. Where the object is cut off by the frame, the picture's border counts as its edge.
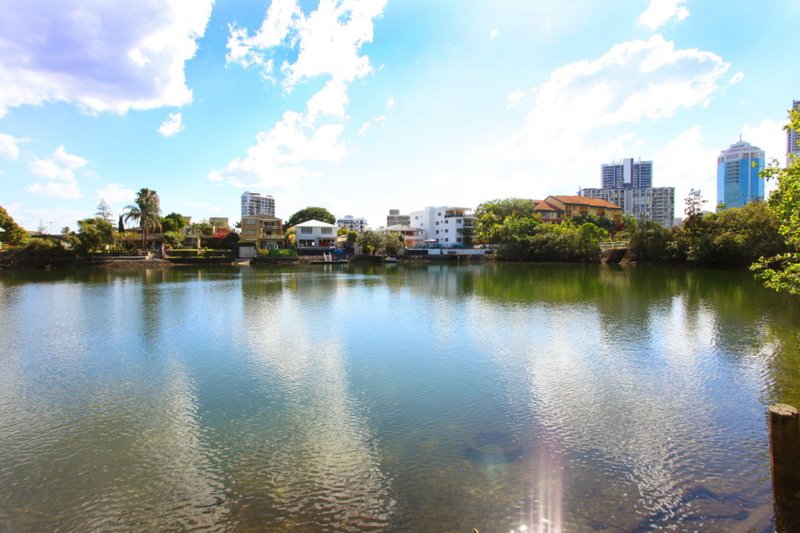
(315, 234)
(352, 223)
(556, 209)
(396, 219)
(445, 226)
(264, 230)
(412, 237)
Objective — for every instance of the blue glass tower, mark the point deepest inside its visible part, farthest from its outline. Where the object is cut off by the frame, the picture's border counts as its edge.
(738, 180)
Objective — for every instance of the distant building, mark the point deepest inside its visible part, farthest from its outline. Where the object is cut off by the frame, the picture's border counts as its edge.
(792, 139)
(656, 204)
(557, 209)
(627, 174)
(315, 234)
(351, 223)
(412, 237)
(264, 230)
(255, 204)
(218, 224)
(738, 169)
(396, 219)
(445, 226)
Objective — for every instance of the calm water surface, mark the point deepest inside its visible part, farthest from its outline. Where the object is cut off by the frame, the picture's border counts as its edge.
(434, 398)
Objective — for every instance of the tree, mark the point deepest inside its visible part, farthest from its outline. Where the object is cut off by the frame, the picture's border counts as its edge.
(147, 212)
(93, 233)
(490, 217)
(173, 222)
(782, 272)
(103, 211)
(310, 213)
(12, 233)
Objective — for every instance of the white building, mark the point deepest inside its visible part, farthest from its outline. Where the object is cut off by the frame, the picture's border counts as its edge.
(445, 226)
(351, 223)
(656, 204)
(315, 234)
(254, 204)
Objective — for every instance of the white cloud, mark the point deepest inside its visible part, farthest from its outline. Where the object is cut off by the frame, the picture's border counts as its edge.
(380, 119)
(737, 78)
(101, 56)
(205, 206)
(390, 103)
(327, 44)
(494, 33)
(768, 135)
(172, 125)
(515, 97)
(659, 12)
(52, 219)
(9, 148)
(686, 163)
(59, 174)
(114, 193)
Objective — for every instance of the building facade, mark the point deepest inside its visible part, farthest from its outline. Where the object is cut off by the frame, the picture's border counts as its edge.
(352, 223)
(255, 204)
(627, 174)
(315, 234)
(264, 230)
(738, 180)
(656, 204)
(557, 209)
(792, 139)
(396, 219)
(445, 226)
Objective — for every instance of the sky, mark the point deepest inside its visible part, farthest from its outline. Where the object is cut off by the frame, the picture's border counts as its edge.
(361, 106)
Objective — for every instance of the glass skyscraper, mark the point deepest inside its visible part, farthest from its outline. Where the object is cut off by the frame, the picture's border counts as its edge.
(738, 180)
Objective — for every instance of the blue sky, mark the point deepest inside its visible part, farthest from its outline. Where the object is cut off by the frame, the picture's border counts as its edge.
(363, 106)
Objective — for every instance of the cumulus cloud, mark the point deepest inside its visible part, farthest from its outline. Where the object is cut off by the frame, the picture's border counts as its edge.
(324, 44)
(515, 97)
(58, 173)
(114, 193)
(9, 147)
(100, 56)
(380, 119)
(768, 135)
(685, 162)
(659, 12)
(172, 125)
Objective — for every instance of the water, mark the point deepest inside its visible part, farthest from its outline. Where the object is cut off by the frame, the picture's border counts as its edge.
(432, 398)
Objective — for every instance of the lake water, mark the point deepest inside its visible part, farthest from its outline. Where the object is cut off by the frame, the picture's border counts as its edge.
(427, 398)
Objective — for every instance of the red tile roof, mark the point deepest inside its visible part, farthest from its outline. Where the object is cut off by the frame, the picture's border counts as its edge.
(582, 200)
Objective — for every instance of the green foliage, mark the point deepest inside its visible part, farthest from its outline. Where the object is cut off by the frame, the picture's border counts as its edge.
(601, 222)
(201, 228)
(782, 271)
(526, 239)
(173, 222)
(653, 243)
(310, 213)
(147, 212)
(35, 252)
(103, 211)
(12, 233)
(95, 233)
(374, 242)
(490, 217)
(174, 239)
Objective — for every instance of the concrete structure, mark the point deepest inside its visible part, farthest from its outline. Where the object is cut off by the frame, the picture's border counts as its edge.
(315, 234)
(264, 230)
(656, 204)
(396, 219)
(412, 237)
(445, 226)
(738, 169)
(793, 139)
(627, 174)
(351, 223)
(255, 204)
(557, 209)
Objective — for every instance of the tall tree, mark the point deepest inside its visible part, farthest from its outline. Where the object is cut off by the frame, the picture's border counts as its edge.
(173, 222)
(147, 212)
(103, 211)
(94, 233)
(12, 233)
(492, 215)
(782, 272)
(310, 213)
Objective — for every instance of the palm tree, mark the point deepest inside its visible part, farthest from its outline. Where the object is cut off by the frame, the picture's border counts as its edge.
(147, 212)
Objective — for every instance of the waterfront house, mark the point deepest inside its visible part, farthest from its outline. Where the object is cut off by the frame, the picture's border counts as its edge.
(264, 230)
(315, 234)
(445, 226)
(557, 209)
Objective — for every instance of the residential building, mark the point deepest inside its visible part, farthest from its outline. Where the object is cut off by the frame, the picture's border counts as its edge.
(792, 139)
(556, 209)
(396, 219)
(738, 180)
(656, 204)
(351, 223)
(445, 226)
(315, 234)
(264, 230)
(255, 204)
(219, 224)
(412, 237)
(627, 174)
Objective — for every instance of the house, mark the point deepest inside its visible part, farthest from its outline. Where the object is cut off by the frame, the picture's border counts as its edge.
(445, 226)
(412, 237)
(315, 234)
(557, 209)
(264, 230)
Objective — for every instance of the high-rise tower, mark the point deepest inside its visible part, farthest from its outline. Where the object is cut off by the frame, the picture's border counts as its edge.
(627, 174)
(738, 180)
(255, 204)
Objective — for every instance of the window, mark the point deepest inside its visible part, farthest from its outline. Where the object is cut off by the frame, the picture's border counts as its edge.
(326, 231)
(306, 231)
